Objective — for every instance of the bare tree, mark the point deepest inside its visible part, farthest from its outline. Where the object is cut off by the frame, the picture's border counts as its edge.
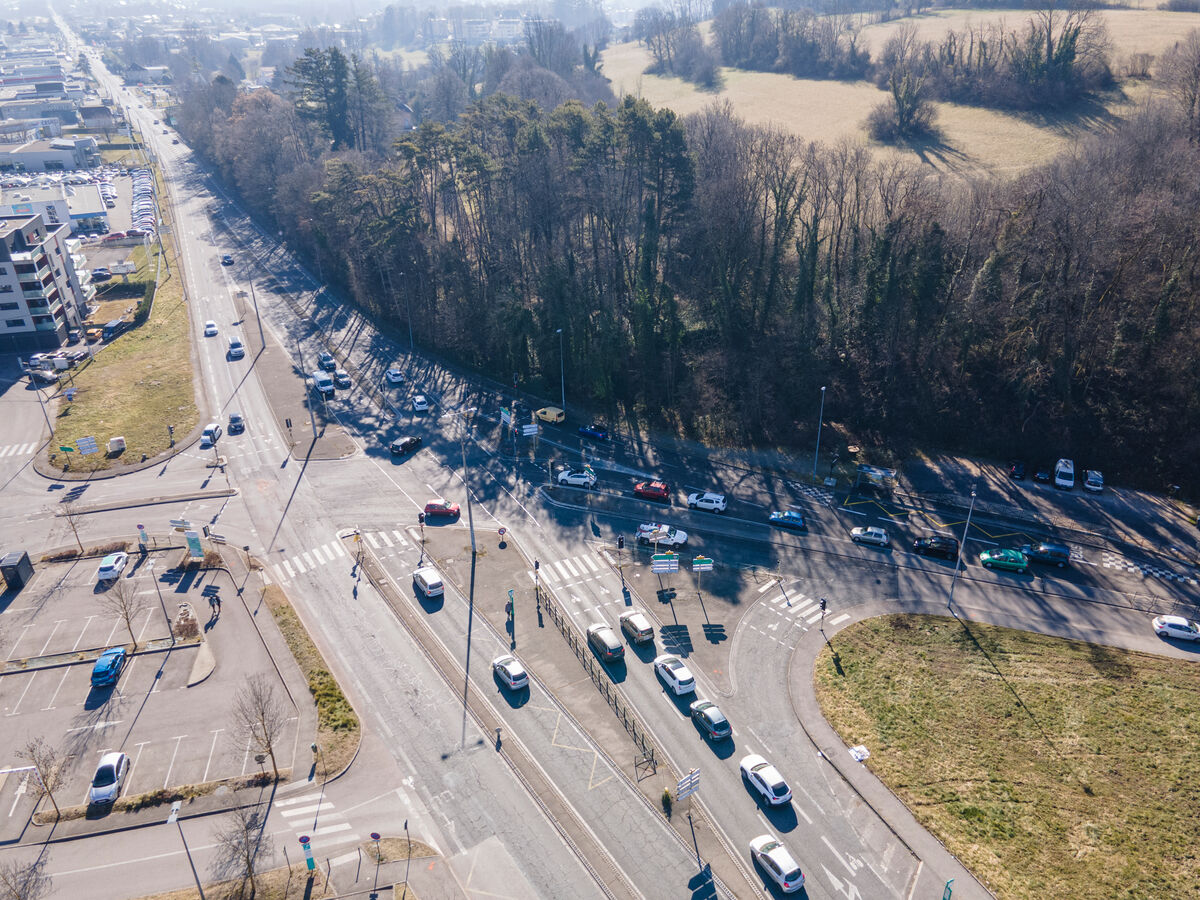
(240, 843)
(72, 514)
(24, 880)
(122, 601)
(259, 716)
(48, 762)
(1180, 73)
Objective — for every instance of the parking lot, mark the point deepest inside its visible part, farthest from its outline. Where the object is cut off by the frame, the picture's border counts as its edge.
(173, 734)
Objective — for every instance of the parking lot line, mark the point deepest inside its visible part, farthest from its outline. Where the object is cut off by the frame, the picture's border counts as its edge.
(61, 681)
(171, 765)
(24, 631)
(32, 675)
(133, 768)
(211, 750)
(82, 632)
(52, 633)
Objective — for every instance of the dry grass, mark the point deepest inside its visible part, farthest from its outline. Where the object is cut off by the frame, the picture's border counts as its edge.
(396, 849)
(1052, 768)
(338, 728)
(274, 884)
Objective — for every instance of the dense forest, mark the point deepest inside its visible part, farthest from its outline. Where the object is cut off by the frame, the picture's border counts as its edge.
(710, 276)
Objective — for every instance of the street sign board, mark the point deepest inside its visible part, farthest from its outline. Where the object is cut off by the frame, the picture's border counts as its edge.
(529, 430)
(87, 445)
(505, 416)
(182, 524)
(702, 564)
(67, 449)
(688, 784)
(193, 542)
(664, 562)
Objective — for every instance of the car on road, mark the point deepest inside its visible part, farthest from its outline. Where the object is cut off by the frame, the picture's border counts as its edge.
(707, 500)
(394, 375)
(636, 626)
(237, 423)
(440, 507)
(226, 260)
(341, 378)
(174, 140)
(1016, 471)
(661, 535)
(108, 667)
(210, 435)
(584, 477)
(551, 414)
(321, 383)
(1048, 552)
(595, 431)
(1093, 481)
(236, 348)
(936, 545)
(710, 719)
(652, 490)
(605, 642)
(765, 778)
(775, 860)
(210, 328)
(1004, 558)
(407, 444)
(1177, 627)
(788, 518)
(510, 672)
(325, 361)
(109, 779)
(677, 676)
(420, 404)
(112, 566)
(870, 534)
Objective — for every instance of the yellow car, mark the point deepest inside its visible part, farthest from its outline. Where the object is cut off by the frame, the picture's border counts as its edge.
(551, 414)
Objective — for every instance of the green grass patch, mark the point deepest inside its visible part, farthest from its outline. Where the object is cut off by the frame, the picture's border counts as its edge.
(337, 724)
(1051, 768)
(139, 384)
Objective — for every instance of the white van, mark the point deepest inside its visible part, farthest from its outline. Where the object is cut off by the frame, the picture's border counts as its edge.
(429, 581)
(1064, 474)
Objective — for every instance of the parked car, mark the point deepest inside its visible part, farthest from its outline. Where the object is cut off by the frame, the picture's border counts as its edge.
(711, 720)
(237, 423)
(652, 533)
(510, 672)
(109, 779)
(637, 626)
(1004, 558)
(677, 676)
(788, 518)
(1017, 471)
(1048, 552)
(1064, 475)
(210, 328)
(551, 414)
(707, 500)
(394, 375)
(112, 566)
(402, 446)
(440, 507)
(1093, 481)
(325, 361)
(1176, 627)
(1042, 475)
(605, 642)
(107, 669)
(595, 431)
(871, 534)
(765, 778)
(321, 384)
(420, 404)
(584, 477)
(341, 378)
(210, 435)
(937, 545)
(652, 490)
(226, 260)
(775, 860)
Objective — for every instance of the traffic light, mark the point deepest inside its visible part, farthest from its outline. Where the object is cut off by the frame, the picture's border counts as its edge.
(620, 542)
(824, 604)
(420, 518)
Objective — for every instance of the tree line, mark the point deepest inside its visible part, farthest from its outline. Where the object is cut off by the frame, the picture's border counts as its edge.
(710, 275)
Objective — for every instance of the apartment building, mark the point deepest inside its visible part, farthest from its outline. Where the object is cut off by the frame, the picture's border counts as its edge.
(41, 297)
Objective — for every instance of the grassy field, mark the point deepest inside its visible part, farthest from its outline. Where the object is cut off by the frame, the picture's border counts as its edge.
(1051, 768)
(974, 139)
(137, 385)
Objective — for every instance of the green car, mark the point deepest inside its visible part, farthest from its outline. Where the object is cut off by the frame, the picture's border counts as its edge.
(1012, 560)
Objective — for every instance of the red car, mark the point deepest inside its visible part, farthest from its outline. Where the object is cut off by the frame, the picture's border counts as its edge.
(652, 490)
(441, 507)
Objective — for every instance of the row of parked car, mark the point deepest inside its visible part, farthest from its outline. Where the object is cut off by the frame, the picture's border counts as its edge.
(1061, 475)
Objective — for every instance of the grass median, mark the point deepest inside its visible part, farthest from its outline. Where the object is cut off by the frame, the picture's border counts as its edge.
(1051, 768)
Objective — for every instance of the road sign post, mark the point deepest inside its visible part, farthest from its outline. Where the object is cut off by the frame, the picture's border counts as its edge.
(306, 843)
(701, 564)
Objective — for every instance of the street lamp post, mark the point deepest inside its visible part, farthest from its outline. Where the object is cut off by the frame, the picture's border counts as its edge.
(562, 369)
(462, 414)
(961, 547)
(820, 422)
(174, 817)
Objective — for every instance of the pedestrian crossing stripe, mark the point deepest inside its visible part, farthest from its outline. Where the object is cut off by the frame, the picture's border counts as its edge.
(18, 449)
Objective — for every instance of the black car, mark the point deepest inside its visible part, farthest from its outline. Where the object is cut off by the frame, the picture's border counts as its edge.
(936, 545)
(237, 423)
(227, 260)
(1017, 471)
(1049, 553)
(1042, 475)
(405, 445)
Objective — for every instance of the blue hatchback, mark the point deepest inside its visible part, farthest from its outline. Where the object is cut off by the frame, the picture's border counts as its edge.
(789, 519)
(594, 430)
(108, 667)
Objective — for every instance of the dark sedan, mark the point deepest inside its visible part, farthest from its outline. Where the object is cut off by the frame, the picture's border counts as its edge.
(404, 445)
(936, 545)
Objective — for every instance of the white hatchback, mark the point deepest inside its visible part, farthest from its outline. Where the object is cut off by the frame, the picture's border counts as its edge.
(677, 676)
(394, 375)
(1177, 627)
(872, 534)
(420, 404)
(210, 328)
(708, 500)
(775, 860)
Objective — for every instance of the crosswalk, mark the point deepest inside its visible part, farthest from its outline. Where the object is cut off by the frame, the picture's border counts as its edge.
(821, 495)
(383, 542)
(315, 815)
(18, 449)
(565, 573)
(1113, 561)
(790, 609)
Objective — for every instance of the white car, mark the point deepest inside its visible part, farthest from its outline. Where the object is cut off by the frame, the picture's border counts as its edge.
(394, 375)
(661, 535)
(774, 859)
(420, 404)
(708, 500)
(677, 676)
(584, 477)
(1177, 627)
(872, 534)
(210, 435)
(1093, 481)
(112, 566)
(510, 672)
(109, 779)
(210, 328)
(765, 779)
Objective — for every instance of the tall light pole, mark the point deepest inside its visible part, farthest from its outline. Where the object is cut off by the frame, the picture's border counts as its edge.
(174, 817)
(962, 546)
(820, 422)
(562, 369)
(462, 414)
(408, 315)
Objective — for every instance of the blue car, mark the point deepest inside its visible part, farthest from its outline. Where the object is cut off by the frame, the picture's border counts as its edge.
(789, 519)
(108, 667)
(595, 430)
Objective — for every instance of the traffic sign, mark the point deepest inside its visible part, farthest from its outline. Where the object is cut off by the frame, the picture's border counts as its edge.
(87, 445)
(67, 449)
(664, 562)
(688, 784)
(193, 542)
(702, 564)
(529, 430)
(505, 416)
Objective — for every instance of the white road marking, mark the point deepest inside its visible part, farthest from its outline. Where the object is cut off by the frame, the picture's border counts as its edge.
(299, 565)
(292, 801)
(305, 810)
(562, 570)
(287, 568)
(338, 548)
(32, 676)
(211, 750)
(371, 540)
(171, 765)
(331, 829)
(308, 559)
(766, 587)
(575, 573)
(387, 540)
(840, 619)
(54, 696)
(400, 538)
(591, 563)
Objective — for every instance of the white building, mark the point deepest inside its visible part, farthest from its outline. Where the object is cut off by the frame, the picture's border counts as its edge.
(80, 206)
(41, 297)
